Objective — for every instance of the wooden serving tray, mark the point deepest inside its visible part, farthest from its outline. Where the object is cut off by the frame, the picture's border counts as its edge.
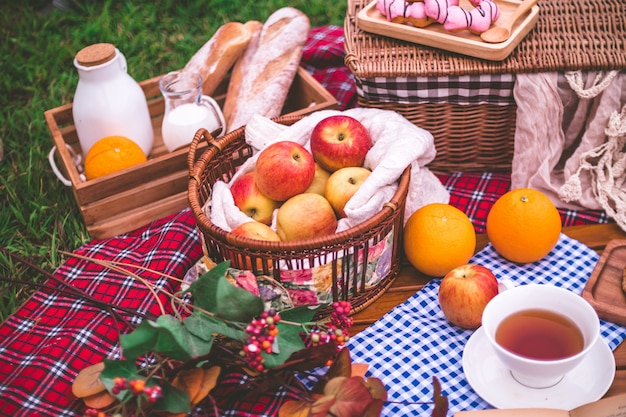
(125, 200)
(604, 288)
(371, 20)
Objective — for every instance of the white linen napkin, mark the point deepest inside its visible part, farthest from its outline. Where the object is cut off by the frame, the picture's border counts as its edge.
(397, 143)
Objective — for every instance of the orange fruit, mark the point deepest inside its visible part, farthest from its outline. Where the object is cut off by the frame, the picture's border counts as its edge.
(438, 238)
(111, 154)
(523, 225)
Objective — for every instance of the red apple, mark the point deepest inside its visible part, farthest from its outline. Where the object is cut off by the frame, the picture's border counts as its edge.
(284, 169)
(464, 292)
(340, 141)
(341, 186)
(251, 200)
(305, 216)
(257, 231)
(318, 186)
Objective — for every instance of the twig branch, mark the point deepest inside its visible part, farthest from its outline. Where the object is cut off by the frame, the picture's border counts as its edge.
(68, 289)
(111, 265)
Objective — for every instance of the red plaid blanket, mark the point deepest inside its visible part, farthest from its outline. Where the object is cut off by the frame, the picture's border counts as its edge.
(47, 341)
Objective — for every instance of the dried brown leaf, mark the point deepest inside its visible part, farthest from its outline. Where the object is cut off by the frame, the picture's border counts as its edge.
(295, 409)
(322, 406)
(376, 388)
(100, 400)
(441, 401)
(189, 380)
(209, 381)
(374, 409)
(88, 382)
(341, 367)
(251, 372)
(351, 396)
(310, 358)
(359, 369)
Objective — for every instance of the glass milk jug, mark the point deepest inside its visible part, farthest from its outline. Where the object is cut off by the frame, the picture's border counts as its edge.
(108, 101)
(187, 109)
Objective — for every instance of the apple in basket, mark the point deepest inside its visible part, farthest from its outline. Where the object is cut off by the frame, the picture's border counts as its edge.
(284, 169)
(341, 186)
(340, 141)
(464, 292)
(318, 186)
(305, 216)
(258, 231)
(251, 200)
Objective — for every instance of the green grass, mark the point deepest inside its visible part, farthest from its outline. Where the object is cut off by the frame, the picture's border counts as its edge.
(38, 214)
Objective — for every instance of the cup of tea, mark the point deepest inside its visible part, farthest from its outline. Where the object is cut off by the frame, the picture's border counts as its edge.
(540, 332)
(187, 109)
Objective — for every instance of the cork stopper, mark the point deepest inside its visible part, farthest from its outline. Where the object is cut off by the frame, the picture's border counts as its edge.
(95, 54)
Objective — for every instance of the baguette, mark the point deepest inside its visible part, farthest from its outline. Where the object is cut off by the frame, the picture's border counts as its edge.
(268, 67)
(240, 67)
(217, 56)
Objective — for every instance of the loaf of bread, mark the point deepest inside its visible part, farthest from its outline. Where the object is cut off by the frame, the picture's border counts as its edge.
(241, 66)
(218, 55)
(268, 67)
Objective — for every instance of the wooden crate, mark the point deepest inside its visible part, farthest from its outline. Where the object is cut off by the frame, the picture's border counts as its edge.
(130, 198)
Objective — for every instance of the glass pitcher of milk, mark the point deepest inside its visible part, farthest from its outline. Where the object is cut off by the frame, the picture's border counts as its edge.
(187, 109)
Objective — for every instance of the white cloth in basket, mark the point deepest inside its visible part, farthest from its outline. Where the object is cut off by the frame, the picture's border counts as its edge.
(397, 143)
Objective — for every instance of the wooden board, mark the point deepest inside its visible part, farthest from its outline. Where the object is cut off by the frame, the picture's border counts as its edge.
(371, 20)
(604, 288)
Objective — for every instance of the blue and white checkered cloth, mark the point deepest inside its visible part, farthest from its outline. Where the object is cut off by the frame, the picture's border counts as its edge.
(414, 342)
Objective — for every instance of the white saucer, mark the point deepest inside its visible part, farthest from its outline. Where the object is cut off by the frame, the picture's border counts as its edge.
(588, 382)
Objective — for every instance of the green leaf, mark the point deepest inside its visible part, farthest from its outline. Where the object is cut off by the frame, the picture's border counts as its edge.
(300, 314)
(174, 400)
(170, 340)
(289, 342)
(215, 273)
(216, 294)
(140, 341)
(205, 327)
(118, 368)
(168, 336)
(176, 342)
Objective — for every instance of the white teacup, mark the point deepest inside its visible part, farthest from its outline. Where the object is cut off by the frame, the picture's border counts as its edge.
(526, 366)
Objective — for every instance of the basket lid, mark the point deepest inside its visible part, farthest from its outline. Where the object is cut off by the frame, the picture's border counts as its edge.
(569, 35)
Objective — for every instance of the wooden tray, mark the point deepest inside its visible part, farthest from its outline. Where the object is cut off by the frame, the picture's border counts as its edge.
(604, 288)
(125, 200)
(371, 20)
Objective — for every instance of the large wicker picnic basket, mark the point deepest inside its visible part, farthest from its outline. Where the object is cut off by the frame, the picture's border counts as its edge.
(569, 35)
(357, 264)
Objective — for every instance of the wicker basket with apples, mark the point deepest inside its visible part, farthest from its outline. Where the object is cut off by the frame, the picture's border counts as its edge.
(314, 264)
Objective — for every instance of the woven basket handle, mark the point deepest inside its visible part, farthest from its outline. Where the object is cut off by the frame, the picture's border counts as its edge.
(201, 134)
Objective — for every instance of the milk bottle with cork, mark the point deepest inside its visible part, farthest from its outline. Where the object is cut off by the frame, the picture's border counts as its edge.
(108, 101)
